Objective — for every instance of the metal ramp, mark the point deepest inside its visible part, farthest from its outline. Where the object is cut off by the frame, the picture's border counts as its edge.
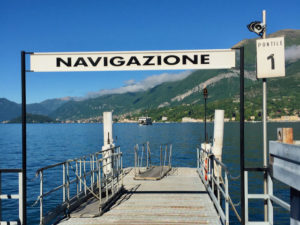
(153, 173)
(143, 169)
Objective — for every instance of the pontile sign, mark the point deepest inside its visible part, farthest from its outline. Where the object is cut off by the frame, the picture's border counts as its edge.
(142, 60)
(270, 57)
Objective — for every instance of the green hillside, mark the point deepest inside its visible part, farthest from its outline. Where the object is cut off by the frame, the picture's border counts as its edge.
(184, 98)
(33, 118)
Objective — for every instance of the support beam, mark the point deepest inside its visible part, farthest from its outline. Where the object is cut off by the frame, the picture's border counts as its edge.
(24, 145)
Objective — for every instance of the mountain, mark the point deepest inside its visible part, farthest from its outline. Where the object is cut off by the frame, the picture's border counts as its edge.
(10, 110)
(223, 87)
(182, 98)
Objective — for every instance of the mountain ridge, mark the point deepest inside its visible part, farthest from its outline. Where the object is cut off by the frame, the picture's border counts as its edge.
(223, 85)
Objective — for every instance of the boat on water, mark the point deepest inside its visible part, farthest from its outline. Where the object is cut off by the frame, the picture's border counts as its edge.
(145, 120)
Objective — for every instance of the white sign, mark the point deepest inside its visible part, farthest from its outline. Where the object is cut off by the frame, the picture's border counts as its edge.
(270, 57)
(120, 61)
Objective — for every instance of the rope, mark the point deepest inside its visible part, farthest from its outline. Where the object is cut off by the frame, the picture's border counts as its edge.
(232, 204)
(234, 178)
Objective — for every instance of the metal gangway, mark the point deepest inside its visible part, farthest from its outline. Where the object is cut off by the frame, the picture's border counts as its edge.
(143, 167)
(83, 179)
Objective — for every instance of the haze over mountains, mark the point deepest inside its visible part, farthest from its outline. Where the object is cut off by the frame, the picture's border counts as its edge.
(183, 92)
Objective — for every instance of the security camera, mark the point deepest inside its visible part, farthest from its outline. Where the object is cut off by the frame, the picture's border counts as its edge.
(257, 27)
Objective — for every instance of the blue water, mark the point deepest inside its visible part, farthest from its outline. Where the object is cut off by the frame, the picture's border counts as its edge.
(52, 143)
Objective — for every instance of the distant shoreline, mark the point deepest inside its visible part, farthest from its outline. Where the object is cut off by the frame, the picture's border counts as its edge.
(280, 121)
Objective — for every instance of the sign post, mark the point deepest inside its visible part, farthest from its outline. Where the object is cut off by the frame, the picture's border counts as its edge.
(270, 63)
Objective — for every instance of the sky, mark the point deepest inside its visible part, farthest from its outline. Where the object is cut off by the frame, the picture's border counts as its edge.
(121, 25)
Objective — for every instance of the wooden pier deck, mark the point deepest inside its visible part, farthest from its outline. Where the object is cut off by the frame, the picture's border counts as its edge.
(179, 198)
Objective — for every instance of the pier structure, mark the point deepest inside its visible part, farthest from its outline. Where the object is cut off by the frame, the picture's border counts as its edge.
(162, 194)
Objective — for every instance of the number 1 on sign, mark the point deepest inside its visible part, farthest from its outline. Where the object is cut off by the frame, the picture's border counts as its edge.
(272, 61)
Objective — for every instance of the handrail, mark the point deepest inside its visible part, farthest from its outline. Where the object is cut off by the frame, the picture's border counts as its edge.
(270, 197)
(76, 159)
(91, 168)
(210, 172)
(10, 170)
(18, 196)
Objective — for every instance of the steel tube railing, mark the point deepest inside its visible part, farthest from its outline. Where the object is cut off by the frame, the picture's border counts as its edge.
(210, 171)
(269, 197)
(84, 169)
(18, 196)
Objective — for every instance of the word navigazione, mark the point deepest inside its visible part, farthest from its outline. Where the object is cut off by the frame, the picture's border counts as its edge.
(134, 60)
(146, 60)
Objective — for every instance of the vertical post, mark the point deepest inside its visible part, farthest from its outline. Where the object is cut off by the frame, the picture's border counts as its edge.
(41, 197)
(80, 174)
(0, 197)
(23, 78)
(245, 217)
(198, 158)
(147, 158)
(205, 94)
(64, 182)
(108, 141)
(270, 203)
(68, 184)
(93, 168)
(76, 174)
(242, 133)
(170, 155)
(113, 178)
(295, 206)
(20, 198)
(205, 120)
(265, 164)
(227, 199)
(166, 152)
(161, 155)
(135, 159)
(100, 186)
(122, 169)
(84, 177)
(218, 138)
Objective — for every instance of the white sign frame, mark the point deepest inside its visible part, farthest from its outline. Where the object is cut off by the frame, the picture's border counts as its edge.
(270, 60)
(132, 60)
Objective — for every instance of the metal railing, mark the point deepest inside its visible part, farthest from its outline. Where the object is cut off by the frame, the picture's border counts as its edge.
(143, 161)
(270, 198)
(18, 196)
(165, 155)
(142, 157)
(216, 182)
(90, 177)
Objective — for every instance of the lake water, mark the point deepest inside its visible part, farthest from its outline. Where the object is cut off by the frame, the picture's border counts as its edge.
(52, 143)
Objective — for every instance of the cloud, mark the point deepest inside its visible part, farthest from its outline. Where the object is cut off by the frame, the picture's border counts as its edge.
(292, 53)
(129, 82)
(146, 84)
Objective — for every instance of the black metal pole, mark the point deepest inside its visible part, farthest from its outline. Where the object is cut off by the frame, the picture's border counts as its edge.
(242, 133)
(24, 180)
(205, 120)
